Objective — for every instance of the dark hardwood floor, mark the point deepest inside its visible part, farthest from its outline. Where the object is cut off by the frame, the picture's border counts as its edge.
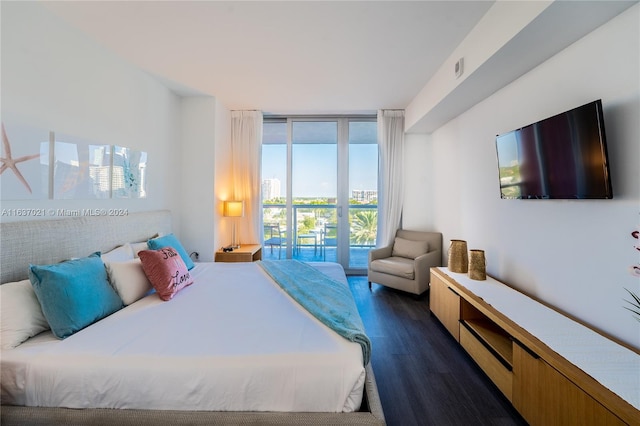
(424, 377)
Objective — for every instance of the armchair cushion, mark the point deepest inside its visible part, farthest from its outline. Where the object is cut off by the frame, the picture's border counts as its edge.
(398, 266)
(409, 248)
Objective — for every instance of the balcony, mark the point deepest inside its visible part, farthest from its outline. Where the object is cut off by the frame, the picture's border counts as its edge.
(313, 237)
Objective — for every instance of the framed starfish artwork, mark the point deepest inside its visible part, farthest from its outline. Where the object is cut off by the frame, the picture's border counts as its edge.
(24, 162)
(82, 170)
(129, 173)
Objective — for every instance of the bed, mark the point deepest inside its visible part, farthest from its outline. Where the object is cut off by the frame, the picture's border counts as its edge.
(231, 348)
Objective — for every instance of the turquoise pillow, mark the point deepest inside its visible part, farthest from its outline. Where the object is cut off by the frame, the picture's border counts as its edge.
(74, 294)
(170, 240)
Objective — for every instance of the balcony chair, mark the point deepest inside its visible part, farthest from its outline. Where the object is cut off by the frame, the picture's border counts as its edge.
(404, 265)
(273, 237)
(305, 239)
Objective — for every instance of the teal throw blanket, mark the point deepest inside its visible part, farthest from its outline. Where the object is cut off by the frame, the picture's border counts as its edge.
(328, 300)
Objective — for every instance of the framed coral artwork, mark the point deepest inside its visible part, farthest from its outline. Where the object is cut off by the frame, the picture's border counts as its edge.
(82, 170)
(42, 164)
(129, 173)
(24, 169)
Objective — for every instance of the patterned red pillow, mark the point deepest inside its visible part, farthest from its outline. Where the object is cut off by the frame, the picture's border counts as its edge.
(166, 271)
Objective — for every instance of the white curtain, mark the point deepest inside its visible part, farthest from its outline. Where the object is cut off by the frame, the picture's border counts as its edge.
(390, 174)
(246, 143)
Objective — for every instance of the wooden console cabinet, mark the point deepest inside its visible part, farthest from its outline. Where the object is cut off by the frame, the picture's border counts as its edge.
(501, 330)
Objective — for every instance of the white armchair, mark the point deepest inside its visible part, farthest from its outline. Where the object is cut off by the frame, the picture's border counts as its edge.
(405, 264)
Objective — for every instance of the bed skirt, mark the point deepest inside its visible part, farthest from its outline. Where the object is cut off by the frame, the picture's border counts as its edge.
(370, 414)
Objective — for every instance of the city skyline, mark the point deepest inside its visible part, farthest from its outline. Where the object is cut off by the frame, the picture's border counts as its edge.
(271, 189)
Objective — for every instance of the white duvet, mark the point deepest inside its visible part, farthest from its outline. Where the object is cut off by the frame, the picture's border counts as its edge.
(233, 341)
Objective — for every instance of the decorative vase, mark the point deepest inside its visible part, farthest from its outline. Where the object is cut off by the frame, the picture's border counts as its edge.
(458, 259)
(477, 265)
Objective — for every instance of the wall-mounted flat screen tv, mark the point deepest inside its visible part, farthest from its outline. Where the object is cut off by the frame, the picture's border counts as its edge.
(561, 157)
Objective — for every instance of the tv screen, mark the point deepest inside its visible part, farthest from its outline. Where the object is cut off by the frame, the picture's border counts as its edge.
(561, 157)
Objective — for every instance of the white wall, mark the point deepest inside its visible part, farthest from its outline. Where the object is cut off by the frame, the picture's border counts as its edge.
(223, 186)
(573, 254)
(418, 169)
(197, 201)
(205, 148)
(57, 79)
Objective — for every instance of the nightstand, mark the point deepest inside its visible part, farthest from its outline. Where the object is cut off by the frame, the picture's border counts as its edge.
(246, 253)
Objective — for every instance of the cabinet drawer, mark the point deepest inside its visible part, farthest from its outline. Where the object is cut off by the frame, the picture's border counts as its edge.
(497, 372)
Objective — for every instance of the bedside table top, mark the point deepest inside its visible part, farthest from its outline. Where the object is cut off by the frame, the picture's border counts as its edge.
(246, 253)
(244, 248)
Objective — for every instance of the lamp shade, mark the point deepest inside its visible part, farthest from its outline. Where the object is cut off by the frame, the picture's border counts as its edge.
(234, 208)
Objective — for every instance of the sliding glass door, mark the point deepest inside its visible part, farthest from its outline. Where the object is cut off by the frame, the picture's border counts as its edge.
(363, 192)
(314, 187)
(320, 189)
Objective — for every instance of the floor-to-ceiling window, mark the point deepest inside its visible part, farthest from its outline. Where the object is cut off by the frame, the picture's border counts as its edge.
(363, 191)
(319, 189)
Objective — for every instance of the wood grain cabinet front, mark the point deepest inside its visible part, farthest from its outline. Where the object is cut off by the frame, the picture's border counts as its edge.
(445, 305)
(543, 396)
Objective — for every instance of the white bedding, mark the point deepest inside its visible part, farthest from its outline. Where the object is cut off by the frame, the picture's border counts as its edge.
(233, 341)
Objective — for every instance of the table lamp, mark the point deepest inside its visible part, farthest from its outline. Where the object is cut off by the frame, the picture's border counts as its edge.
(234, 209)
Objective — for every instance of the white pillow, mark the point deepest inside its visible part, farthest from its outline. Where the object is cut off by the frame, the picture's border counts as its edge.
(138, 247)
(128, 279)
(118, 254)
(21, 316)
(409, 248)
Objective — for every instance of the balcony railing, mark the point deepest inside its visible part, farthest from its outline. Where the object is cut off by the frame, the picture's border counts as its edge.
(314, 234)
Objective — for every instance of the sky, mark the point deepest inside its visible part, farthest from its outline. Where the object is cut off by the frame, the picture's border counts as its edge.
(315, 157)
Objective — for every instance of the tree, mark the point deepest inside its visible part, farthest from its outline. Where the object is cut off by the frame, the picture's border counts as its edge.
(364, 225)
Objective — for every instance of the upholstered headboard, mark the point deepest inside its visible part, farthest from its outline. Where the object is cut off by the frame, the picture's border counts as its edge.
(52, 241)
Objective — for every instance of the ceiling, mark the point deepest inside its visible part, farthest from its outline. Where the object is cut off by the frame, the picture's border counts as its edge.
(283, 57)
(321, 57)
